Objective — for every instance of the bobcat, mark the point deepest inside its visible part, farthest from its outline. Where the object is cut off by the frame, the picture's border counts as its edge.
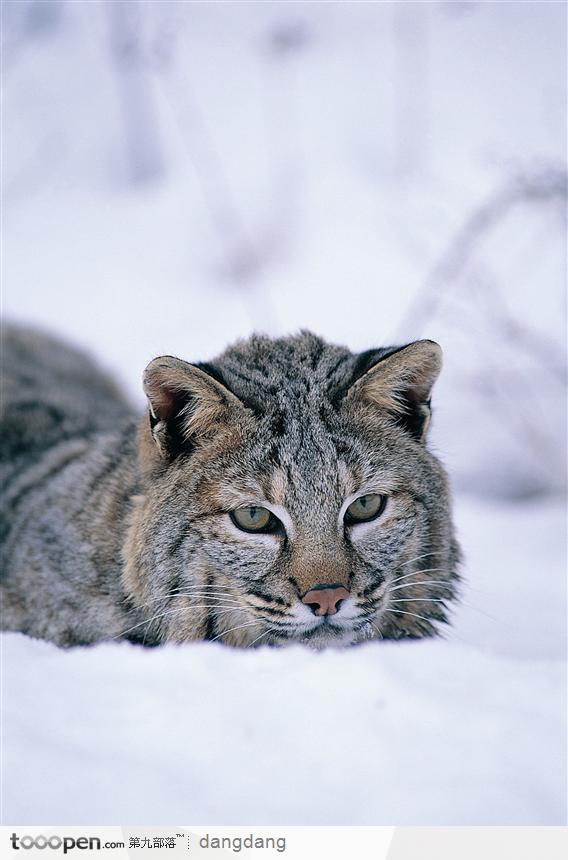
(282, 493)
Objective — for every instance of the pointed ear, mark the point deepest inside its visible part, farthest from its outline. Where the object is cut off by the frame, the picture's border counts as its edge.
(400, 383)
(185, 403)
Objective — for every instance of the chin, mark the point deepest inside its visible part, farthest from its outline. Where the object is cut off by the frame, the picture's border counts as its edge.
(330, 635)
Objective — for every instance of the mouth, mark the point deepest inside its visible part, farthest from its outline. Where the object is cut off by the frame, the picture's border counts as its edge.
(327, 632)
(351, 625)
(326, 627)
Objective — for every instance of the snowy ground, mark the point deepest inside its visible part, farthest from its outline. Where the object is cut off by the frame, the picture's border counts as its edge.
(470, 730)
(348, 164)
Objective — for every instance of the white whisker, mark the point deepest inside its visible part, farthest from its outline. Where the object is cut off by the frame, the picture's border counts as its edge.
(197, 590)
(434, 600)
(374, 626)
(423, 617)
(270, 630)
(221, 611)
(420, 599)
(186, 589)
(240, 627)
(207, 595)
(447, 582)
(420, 557)
(415, 572)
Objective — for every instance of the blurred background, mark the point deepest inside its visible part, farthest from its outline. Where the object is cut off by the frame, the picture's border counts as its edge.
(179, 174)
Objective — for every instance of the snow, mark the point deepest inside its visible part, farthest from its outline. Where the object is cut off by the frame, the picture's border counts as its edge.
(310, 158)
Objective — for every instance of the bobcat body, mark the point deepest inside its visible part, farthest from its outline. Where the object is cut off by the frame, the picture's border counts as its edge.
(282, 493)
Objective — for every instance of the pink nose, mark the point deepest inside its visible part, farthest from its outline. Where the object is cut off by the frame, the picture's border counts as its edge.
(325, 599)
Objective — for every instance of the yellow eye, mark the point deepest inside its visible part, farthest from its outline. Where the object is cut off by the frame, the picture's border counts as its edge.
(253, 519)
(365, 508)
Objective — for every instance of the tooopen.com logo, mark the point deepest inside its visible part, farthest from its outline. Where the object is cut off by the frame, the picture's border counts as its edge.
(66, 843)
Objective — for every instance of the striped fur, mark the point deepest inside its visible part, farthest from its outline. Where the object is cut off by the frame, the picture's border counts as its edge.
(116, 527)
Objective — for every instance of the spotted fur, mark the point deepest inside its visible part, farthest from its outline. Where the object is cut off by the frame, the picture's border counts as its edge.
(118, 528)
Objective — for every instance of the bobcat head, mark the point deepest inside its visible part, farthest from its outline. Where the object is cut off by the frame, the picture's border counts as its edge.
(288, 496)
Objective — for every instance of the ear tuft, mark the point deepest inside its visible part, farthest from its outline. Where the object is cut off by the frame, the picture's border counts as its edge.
(401, 383)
